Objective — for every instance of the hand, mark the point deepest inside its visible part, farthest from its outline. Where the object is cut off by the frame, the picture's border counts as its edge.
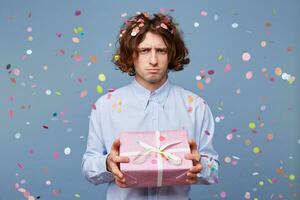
(195, 157)
(113, 163)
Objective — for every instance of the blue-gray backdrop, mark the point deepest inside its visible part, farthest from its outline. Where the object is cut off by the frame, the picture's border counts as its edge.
(244, 62)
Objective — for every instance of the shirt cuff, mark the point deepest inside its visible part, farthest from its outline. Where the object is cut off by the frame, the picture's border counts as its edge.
(209, 172)
(95, 170)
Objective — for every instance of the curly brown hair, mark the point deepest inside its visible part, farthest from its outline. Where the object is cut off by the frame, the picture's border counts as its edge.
(133, 32)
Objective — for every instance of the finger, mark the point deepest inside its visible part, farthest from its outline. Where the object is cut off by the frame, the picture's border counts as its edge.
(195, 157)
(196, 169)
(115, 146)
(115, 170)
(191, 180)
(191, 175)
(120, 159)
(193, 146)
(120, 180)
(120, 184)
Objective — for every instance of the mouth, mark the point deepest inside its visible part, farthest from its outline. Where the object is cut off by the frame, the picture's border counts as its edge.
(153, 70)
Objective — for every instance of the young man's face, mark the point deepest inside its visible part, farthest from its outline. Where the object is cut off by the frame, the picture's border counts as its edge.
(151, 62)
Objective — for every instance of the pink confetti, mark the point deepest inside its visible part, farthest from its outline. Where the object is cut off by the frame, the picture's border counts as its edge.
(11, 113)
(83, 93)
(204, 13)
(227, 68)
(56, 155)
(94, 106)
(249, 75)
(21, 166)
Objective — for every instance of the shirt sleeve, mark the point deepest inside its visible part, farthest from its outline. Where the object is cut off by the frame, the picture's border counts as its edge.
(209, 157)
(94, 159)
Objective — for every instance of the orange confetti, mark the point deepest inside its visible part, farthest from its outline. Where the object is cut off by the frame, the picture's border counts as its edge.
(93, 59)
(200, 85)
(83, 93)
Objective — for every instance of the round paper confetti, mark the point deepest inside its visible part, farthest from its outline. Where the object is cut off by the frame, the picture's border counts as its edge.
(261, 183)
(30, 38)
(77, 13)
(75, 39)
(196, 24)
(235, 25)
(101, 77)
(29, 29)
(227, 159)
(223, 194)
(56, 155)
(216, 17)
(247, 195)
(99, 89)
(252, 125)
(48, 92)
(263, 44)
(67, 151)
(18, 135)
(16, 71)
(278, 71)
(256, 150)
(204, 13)
(77, 196)
(246, 56)
(229, 136)
(29, 51)
(270, 136)
(249, 75)
(292, 177)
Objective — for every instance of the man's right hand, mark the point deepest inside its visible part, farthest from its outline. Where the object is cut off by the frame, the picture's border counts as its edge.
(113, 163)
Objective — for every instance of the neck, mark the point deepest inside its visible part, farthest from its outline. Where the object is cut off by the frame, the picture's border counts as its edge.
(151, 86)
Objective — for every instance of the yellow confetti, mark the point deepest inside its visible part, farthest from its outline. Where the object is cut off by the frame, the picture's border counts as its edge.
(99, 89)
(101, 77)
(252, 125)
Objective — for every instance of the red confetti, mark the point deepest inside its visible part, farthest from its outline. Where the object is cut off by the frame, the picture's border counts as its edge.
(211, 72)
(45, 127)
(77, 13)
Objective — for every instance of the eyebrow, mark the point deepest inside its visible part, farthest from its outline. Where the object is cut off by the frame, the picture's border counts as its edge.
(159, 48)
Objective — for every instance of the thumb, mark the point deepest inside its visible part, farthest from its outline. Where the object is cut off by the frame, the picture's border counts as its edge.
(193, 146)
(116, 145)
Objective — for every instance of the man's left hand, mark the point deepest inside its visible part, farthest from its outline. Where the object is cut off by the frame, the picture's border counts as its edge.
(196, 158)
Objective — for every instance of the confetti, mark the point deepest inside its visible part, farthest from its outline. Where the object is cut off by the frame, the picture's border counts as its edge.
(101, 77)
(77, 13)
(67, 151)
(196, 24)
(246, 56)
(99, 89)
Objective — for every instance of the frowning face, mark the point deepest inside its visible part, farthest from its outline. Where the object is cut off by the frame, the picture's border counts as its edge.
(151, 61)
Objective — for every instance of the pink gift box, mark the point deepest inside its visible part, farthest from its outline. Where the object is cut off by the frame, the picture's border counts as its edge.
(156, 158)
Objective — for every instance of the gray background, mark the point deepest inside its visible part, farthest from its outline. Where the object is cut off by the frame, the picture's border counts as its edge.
(28, 160)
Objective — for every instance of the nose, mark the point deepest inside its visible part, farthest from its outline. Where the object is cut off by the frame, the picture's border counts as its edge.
(153, 58)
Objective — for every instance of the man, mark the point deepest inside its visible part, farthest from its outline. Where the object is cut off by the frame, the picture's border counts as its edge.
(149, 47)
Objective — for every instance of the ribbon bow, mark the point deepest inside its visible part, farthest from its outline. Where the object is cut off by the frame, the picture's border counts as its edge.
(143, 156)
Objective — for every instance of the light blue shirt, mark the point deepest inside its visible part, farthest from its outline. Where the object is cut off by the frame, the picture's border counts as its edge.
(134, 108)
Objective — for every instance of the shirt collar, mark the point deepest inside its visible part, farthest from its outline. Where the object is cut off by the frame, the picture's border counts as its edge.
(144, 95)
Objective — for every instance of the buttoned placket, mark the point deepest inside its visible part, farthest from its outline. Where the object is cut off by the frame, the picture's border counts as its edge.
(154, 110)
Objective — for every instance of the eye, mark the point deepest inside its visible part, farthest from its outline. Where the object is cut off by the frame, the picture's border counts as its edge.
(162, 51)
(143, 51)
